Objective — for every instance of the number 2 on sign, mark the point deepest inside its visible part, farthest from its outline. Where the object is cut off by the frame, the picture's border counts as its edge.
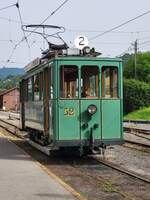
(81, 42)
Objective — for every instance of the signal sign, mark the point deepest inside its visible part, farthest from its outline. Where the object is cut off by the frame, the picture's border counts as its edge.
(81, 41)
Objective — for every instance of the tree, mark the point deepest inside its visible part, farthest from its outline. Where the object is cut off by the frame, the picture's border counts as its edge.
(142, 69)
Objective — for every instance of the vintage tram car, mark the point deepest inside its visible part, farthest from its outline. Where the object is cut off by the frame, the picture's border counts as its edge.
(72, 99)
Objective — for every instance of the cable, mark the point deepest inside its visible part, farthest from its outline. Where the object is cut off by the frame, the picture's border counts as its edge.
(145, 45)
(14, 62)
(51, 14)
(4, 8)
(101, 31)
(17, 5)
(11, 20)
(22, 40)
(109, 43)
(61, 5)
(116, 27)
(144, 42)
(130, 48)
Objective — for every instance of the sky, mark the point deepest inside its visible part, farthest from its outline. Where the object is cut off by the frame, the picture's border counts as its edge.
(79, 17)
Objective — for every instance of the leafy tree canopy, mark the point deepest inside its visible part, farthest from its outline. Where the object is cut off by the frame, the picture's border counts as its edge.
(142, 69)
(9, 82)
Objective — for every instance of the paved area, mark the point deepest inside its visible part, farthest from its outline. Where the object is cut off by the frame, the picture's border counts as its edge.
(22, 179)
(6, 115)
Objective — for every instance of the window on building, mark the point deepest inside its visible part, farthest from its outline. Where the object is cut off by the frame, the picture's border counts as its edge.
(69, 81)
(89, 81)
(110, 82)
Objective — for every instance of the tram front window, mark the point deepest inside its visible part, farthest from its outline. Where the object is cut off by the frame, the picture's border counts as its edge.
(89, 81)
(110, 82)
(68, 81)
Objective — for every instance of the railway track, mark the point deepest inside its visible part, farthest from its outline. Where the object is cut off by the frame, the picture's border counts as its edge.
(10, 128)
(138, 144)
(137, 130)
(122, 170)
(137, 121)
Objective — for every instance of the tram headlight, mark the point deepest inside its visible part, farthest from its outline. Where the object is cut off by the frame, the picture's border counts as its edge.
(92, 109)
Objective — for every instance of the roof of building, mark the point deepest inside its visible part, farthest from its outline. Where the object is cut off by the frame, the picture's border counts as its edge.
(7, 91)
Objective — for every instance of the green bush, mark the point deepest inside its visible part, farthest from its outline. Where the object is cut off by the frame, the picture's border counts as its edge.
(136, 95)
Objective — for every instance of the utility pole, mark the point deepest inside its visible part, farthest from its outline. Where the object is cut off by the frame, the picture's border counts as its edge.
(135, 59)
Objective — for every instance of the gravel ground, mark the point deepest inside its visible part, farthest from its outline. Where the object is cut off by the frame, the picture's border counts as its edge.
(95, 181)
(131, 159)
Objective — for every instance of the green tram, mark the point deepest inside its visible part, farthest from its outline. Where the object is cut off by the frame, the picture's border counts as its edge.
(70, 99)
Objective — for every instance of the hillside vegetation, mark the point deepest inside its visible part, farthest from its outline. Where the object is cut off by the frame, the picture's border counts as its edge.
(9, 82)
(5, 72)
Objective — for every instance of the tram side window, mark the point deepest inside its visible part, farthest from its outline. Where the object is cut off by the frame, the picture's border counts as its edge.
(89, 81)
(37, 87)
(24, 93)
(51, 83)
(69, 81)
(41, 85)
(30, 96)
(110, 82)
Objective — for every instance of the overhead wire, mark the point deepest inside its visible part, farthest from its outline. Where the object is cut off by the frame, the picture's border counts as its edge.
(120, 25)
(14, 62)
(144, 42)
(22, 40)
(102, 31)
(130, 48)
(9, 19)
(4, 8)
(21, 21)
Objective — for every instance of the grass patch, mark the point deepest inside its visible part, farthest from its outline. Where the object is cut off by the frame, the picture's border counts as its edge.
(108, 187)
(142, 114)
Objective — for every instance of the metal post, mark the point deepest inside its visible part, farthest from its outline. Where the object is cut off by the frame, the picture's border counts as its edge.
(135, 59)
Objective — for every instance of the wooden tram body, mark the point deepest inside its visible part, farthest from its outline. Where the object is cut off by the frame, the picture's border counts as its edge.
(73, 101)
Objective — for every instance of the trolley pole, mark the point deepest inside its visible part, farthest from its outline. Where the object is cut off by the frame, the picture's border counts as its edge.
(135, 59)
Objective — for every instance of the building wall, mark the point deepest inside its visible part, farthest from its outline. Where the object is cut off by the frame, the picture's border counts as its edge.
(11, 100)
(1, 101)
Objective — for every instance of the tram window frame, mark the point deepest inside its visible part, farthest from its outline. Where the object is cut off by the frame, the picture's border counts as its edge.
(41, 75)
(112, 92)
(24, 93)
(36, 86)
(30, 94)
(68, 89)
(86, 88)
(51, 85)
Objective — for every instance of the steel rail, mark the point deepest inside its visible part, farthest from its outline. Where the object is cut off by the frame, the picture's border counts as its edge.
(137, 121)
(1, 120)
(122, 170)
(138, 143)
(13, 132)
(139, 130)
(104, 162)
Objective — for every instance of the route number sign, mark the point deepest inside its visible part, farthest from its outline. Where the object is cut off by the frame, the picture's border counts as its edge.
(81, 41)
